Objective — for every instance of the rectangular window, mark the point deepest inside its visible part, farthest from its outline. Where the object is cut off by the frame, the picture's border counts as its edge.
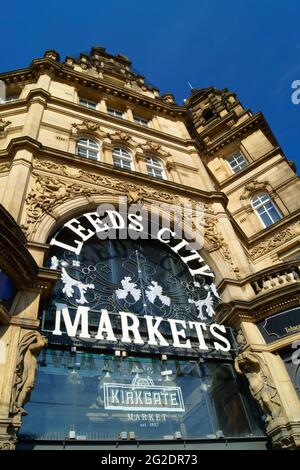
(141, 121)
(115, 112)
(87, 103)
(96, 397)
(237, 162)
(268, 214)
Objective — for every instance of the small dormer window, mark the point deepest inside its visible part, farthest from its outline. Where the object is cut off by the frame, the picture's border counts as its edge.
(207, 114)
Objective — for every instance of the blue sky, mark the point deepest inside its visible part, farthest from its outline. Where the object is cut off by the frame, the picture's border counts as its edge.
(250, 46)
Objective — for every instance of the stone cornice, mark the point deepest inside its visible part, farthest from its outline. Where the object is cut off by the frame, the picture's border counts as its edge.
(15, 258)
(61, 157)
(64, 72)
(267, 233)
(251, 166)
(254, 122)
(263, 306)
(45, 98)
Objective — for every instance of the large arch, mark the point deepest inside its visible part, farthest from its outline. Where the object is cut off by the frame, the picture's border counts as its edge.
(50, 221)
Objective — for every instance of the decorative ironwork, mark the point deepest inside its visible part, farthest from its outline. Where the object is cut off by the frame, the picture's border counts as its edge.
(139, 277)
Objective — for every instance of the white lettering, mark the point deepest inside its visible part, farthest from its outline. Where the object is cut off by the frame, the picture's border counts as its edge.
(76, 249)
(161, 232)
(81, 316)
(153, 331)
(79, 230)
(198, 327)
(134, 328)
(218, 346)
(115, 217)
(96, 222)
(134, 224)
(105, 327)
(176, 334)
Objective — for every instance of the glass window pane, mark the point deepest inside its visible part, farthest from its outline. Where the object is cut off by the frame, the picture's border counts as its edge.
(81, 151)
(98, 396)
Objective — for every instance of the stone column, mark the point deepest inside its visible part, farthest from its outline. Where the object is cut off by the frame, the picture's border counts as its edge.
(129, 114)
(44, 82)
(240, 265)
(17, 183)
(106, 155)
(102, 106)
(34, 116)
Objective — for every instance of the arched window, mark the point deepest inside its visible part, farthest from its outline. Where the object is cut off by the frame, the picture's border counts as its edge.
(155, 168)
(122, 158)
(88, 148)
(265, 209)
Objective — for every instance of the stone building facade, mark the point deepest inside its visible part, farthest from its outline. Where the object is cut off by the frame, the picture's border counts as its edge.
(86, 131)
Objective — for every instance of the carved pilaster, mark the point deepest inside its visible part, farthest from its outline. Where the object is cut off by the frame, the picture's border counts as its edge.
(261, 385)
(29, 347)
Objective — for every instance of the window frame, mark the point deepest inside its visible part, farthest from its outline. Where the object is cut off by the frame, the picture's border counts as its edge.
(88, 148)
(236, 168)
(262, 204)
(122, 157)
(86, 103)
(141, 121)
(115, 112)
(154, 167)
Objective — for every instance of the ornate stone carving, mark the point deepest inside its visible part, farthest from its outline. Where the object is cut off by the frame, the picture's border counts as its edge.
(3, 125)
(4, 166)
(217, 242)
(121, 136)
(135, 197)
(272, 242)
(170, 166)
(45, 192)
(261, 385)
(240, 338)
(7, 444)
(154, 148)
(29, 347)
(253, 186)
(86, 126)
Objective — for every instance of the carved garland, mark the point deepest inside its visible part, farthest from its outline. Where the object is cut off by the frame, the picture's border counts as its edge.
(87, 126)
(49, 191)
(254, 186)
(275, 241)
